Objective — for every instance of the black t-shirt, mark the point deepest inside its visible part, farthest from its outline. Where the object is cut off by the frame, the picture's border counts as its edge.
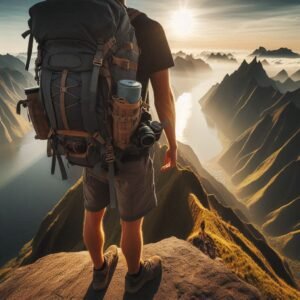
(155, 51)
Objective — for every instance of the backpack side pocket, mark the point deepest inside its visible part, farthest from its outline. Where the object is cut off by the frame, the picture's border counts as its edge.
(37, 114)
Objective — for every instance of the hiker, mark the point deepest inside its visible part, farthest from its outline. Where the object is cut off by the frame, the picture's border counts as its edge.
(136, 188)
(92, 111)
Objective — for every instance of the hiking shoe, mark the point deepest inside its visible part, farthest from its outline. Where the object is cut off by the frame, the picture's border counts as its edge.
(150, 269)
(101, 278)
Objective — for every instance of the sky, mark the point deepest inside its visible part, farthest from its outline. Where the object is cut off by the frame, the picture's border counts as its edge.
(193, 24)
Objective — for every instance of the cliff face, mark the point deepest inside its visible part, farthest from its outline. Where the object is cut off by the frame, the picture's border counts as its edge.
(187, 274)
(242, 98)
(263, 158)
(13, 80)
(183, 205)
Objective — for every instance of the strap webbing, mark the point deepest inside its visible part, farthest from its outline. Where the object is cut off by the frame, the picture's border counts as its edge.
(56, 156)
(63, 90)
(29, 48)
(73, 133)
(110, 160)
(98, 62)
(62, 168)
(101, 67)
(112, 190)
(24, 103)
(89, 117)
(100, 55)
(53, 163)
(81, 134)
(46, 83)
(124, 63)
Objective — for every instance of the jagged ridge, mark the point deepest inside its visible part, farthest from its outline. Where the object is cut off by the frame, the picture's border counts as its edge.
(177, 215)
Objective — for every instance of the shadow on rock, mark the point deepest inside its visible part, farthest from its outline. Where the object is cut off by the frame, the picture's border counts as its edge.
(93, 295)
(147, 292)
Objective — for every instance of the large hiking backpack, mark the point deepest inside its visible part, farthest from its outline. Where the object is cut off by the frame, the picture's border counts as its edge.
(84, 48)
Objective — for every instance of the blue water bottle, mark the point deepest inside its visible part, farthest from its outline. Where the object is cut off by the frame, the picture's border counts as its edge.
(130, 90)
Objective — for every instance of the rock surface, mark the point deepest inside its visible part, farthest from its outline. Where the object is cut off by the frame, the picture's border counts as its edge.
(187, 274)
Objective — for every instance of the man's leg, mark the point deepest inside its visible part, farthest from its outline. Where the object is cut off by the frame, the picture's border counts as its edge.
(139, 271)
(94, 237)
(132, 244)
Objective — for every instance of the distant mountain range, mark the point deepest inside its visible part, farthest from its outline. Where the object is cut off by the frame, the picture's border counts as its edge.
(186, 198)
(263, 159)
(221, 58)
(189, 64)
(278, 53)
(13, 80)
(284, 82)
(283, 76)
(180, 54)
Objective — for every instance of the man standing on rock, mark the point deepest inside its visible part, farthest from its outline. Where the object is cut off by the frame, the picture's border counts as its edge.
(135, 183)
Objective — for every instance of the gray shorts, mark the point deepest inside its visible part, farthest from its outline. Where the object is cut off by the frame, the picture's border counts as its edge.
(134, 184)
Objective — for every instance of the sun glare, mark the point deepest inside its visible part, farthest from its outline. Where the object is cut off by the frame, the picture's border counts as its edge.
(183, 22)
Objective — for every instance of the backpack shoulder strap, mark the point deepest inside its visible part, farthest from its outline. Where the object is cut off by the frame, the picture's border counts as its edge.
(30, 46)
(133, 13)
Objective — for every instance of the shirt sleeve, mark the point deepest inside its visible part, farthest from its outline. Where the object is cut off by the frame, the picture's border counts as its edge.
(155, 51)
(158, 52)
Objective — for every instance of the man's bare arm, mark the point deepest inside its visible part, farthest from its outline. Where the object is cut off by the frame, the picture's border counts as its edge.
(165, 107)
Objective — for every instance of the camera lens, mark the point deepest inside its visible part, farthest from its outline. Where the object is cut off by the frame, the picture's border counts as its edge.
(146, 136)
(148, 140)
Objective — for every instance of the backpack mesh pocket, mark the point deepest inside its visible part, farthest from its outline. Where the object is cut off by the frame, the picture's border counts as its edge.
(126, 118)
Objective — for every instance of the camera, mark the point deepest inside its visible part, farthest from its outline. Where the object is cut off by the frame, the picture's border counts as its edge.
(148, 131)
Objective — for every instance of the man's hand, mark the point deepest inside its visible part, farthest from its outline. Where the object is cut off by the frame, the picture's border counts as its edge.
(170, 161)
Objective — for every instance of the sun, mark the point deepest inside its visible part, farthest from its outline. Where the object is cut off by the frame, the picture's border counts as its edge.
(183, 22)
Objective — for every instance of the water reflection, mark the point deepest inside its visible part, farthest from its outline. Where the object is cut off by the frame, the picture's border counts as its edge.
(191, 124)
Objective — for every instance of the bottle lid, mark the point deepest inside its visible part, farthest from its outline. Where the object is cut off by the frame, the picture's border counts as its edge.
(130, 90)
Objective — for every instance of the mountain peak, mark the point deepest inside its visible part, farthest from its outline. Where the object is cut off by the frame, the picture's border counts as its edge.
(255, 71)
(254, 66)
(261, 48)
(187, 272)
(281, 76)
(296, 76)
(284, 72)
(254, 61)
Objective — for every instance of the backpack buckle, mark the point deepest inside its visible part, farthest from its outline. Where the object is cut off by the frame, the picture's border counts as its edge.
(98, 62)
(109, 155)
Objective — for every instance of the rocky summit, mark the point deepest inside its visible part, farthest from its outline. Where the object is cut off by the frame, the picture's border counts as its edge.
(187, 274)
